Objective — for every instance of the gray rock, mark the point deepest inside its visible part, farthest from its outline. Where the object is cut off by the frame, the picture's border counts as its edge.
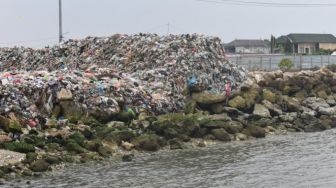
(10, 157)
(308, 112)
(315, 103)
(235, 111)
(221, 134)
(327, 111)
(240, 136)
(262, 111)
(289, 117)
(273, 108)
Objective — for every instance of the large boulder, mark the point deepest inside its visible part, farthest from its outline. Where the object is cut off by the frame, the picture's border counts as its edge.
(308, 112)
(221, 134)
(10, 157)
(175, 144)
(237, 102)
(39, 166)
(289, 117)
(173, 125)
(217, 108)
(261, 111)
(9, 125)
(327, 111)
(269, 96)
(290, 104)
(255, 131)
(250, 97)
(205, 98)
(274, 109)
(315, 103)
(147, 142)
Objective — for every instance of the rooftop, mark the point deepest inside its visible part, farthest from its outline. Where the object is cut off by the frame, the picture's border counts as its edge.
(248, 43)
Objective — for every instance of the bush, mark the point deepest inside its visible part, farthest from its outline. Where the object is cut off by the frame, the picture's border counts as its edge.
(285, 64)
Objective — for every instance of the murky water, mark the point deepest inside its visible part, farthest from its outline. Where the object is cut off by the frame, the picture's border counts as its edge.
(295, 160)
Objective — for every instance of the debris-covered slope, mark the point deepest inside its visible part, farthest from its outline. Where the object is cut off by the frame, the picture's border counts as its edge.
(145, 72)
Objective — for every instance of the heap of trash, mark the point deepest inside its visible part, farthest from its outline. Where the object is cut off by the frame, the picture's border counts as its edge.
(143, 72)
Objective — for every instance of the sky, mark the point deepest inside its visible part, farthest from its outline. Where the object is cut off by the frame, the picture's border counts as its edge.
(34, 23)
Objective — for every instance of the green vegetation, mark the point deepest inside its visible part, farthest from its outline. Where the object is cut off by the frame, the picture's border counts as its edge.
(285, 64)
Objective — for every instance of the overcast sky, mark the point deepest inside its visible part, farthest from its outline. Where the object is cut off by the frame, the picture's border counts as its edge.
(35, 22)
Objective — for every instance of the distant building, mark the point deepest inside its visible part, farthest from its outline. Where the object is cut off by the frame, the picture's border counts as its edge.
(305, 43)
(248, 46)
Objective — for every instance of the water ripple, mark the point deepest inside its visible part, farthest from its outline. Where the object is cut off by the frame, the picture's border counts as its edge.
(294, 160)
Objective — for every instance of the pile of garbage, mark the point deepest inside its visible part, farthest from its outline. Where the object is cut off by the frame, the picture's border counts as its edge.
(143, 72)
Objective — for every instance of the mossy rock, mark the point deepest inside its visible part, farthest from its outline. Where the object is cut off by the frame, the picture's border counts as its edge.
(71, 111)
(10, 125)
(255, 131)
(118, 136)
(184, 138)
(250, 97)
(51, 147)
(7, 169)
(104, 151)
(86, 157)
(170, 133)
(90, 121)
(21, 147)
(34, 140)
(15, 127)
(27, 173)
(205, 98)
(172, 125)
(93, 145)
(214, 124)
(291, 90)
(30, 157)
(39, 165)
(269, 95)
(126, 117)
(147, 142)
(73, 146)
(217, 108)
(233, 127)
(68, 158)
(52, 159)
(171, 117)
(237, 102)
(175, 144)
(78, 137)
(290, 104)
(221, 134)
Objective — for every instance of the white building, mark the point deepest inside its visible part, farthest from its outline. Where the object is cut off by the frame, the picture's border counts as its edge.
(248, 47)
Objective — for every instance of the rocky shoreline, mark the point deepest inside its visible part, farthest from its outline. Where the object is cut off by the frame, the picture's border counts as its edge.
(94, 98)
(266, 103)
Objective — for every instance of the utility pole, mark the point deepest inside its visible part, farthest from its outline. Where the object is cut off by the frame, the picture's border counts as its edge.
(60, 20)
